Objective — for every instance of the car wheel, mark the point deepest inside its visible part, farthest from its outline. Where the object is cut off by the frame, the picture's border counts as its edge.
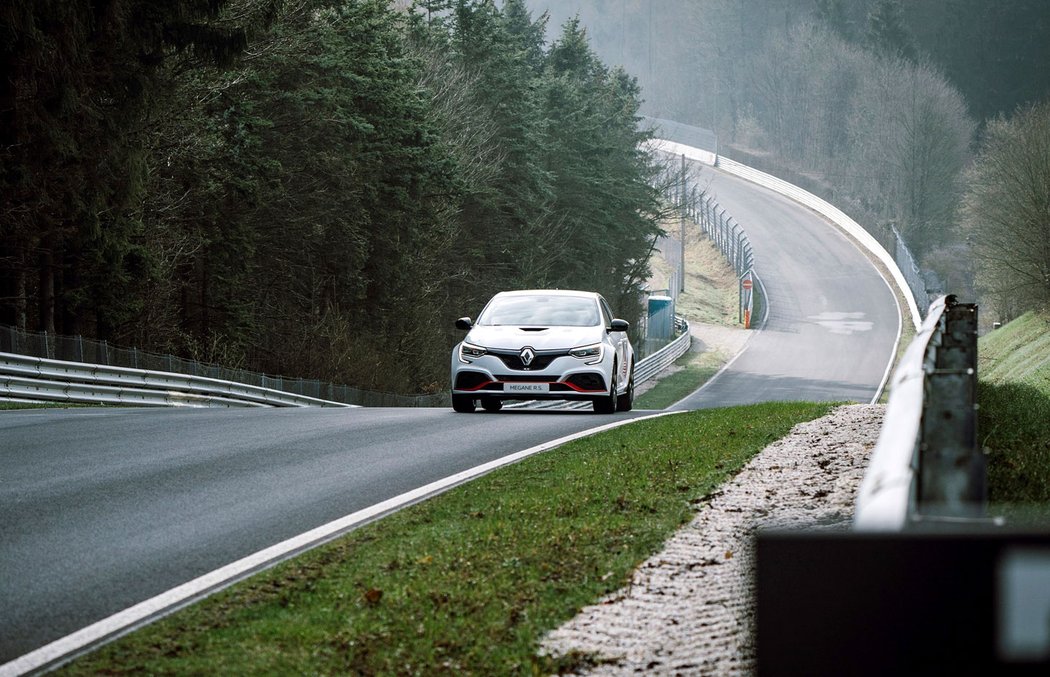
(491, 404)
(464, 404)
(625, 402)
(607, 404)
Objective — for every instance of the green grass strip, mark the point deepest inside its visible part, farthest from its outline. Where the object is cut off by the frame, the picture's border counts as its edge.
(4, 406)
(674, 387)
(694, 370)
(1013, 420)
(467, 582)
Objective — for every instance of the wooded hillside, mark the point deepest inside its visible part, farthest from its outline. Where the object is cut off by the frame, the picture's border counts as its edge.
(876, 105)
(315, 188)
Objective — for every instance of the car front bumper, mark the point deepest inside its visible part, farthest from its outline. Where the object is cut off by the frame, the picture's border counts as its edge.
(565, 378)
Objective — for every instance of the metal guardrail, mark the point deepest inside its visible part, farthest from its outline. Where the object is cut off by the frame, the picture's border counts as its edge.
(926, 465)
(90, 351)
(40, 379)
(35, 378)
(663, 358)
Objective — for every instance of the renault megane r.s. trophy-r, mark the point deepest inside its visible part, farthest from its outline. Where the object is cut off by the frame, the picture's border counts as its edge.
(544, 345)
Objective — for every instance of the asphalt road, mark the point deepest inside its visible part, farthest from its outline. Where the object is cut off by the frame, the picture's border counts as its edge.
(104, 508)
(833, 321)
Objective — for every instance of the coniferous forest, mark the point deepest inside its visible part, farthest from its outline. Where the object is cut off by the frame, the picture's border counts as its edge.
(315, 188)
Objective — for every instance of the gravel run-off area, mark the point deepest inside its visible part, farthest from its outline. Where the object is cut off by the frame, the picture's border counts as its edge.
(689, 609)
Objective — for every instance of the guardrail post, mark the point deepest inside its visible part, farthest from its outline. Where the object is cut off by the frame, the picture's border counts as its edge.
(732, 243)
(952, 474)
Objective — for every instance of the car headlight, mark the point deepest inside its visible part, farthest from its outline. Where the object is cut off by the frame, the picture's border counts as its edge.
(469, 352)
(592, 354)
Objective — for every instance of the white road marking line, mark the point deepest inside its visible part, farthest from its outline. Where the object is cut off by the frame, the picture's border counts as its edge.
(123, 622)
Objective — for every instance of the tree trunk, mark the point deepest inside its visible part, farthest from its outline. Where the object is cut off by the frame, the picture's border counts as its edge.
(21, 296)
(46, 293)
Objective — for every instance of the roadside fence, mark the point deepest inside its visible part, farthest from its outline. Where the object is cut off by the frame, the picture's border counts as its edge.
(85, 355)
(920, 285)
(37, 366)
(721, 229)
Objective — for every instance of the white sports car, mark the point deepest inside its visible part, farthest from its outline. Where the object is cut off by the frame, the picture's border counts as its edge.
(544, 344)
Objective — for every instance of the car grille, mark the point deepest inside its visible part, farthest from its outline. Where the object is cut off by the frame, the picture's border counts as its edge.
(512, 360)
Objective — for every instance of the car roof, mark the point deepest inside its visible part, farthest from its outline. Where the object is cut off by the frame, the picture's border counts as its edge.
(549, 292)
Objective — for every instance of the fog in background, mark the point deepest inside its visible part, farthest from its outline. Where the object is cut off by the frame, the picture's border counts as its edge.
(692, 56)
(877, 105)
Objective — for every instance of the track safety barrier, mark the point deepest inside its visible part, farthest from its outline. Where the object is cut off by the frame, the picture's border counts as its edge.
(36, 379)
(40, 379)
(926, 465)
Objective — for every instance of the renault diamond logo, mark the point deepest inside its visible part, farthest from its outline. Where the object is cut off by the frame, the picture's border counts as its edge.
(527, 356)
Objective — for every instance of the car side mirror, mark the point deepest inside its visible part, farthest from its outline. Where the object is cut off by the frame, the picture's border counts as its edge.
(464, 323)
(619, 325)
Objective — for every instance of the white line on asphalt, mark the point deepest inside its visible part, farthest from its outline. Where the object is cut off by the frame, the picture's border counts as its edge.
(727, 365)
(121, 623)
(896, 342)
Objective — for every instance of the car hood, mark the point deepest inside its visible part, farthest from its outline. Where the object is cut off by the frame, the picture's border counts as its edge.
(551, 338)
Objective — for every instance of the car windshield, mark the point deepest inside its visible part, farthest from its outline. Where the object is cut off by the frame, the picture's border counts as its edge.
(541, 310)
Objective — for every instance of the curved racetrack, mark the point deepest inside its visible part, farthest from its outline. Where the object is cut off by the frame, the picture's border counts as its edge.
(103, 508)
(833, 321)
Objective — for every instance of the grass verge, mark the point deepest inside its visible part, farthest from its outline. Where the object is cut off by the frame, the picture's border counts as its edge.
(1014, 417)
(40, 405)
(711, 293)
(711, 297)
(692, 371)
(470, 581)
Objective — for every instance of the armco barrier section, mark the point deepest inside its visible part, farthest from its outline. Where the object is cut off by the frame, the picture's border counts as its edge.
(36, 378)
(91, 351)
(663, 358)
(926, 463)
(39, 379)
(925, 582)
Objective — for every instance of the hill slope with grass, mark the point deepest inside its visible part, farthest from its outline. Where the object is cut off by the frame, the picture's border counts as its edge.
(1018, 352)
(708, 302)
(1014, 417)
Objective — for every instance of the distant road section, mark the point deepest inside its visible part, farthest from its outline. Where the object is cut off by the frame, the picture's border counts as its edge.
(833, 321)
